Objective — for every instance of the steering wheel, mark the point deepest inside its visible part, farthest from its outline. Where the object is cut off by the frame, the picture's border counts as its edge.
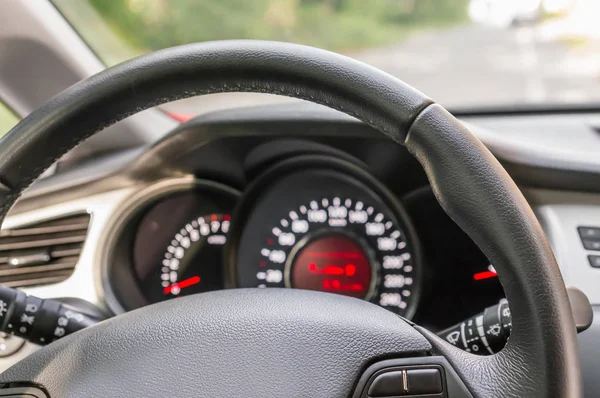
(271, 342)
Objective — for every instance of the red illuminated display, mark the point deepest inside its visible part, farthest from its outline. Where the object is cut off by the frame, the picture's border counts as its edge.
(333, 264)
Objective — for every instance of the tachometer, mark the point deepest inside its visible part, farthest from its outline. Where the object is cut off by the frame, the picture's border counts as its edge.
(328, 227)
(178, 247)
(192, 261)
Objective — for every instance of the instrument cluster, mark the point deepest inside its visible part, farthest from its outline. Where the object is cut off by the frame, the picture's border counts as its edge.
(309, 222)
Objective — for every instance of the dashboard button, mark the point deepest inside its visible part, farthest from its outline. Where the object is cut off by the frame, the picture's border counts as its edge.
(589, 232)
(424, 381)
(591, 244)
(594, 261)
(389, 384)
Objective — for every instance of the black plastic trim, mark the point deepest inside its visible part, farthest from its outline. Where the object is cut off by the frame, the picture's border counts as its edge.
(549, 178)
(23, 390)
(453, 385)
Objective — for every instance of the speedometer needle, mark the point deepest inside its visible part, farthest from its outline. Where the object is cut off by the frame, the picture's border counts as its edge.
(182, 285)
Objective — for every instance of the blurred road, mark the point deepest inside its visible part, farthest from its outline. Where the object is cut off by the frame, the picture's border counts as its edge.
(471, 66)
(477, 66)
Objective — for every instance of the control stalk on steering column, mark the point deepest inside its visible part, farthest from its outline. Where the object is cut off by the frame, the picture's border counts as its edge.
(487, 333)
(40, 321)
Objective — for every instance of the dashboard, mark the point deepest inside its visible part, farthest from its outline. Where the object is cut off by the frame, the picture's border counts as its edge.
(318, 229)
(226, 192)
(305, 211)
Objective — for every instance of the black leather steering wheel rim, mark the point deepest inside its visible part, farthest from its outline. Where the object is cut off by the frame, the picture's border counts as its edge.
(541, 358)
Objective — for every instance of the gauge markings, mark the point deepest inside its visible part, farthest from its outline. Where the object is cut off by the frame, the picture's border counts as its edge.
(210, 230)
(357, 221)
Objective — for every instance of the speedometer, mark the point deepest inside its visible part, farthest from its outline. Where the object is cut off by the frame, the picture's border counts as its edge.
(341, 246)
(329, 227)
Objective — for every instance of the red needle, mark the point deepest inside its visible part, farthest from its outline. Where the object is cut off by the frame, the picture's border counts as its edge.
(484, 275)
(183, 284)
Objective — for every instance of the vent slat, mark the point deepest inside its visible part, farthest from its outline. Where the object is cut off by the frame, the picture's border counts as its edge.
(43, 230)
(56, 252)
(48, 251)
(56, 261)
(41, 243)
(46, 280)
(37, 268)
(66, 252)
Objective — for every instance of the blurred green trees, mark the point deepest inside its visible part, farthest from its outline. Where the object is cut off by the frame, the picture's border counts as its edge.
(7, 119)
(341, 25)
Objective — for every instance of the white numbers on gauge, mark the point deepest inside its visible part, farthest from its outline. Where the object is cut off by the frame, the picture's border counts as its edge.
(391, 300)
(317, 216)
(185, 242)
(179, 252)
(375, 229)
(393, 281)
(392, 262)
(386, 244)
(204, 229)
(357, 216)
(218, 240)
(337, 212)
(270, 276)
(287, 239)
(277, 256)
(299, 226)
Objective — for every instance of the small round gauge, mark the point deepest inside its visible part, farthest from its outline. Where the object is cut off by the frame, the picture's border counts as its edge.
(192, 261)
(178, 247)
(321, 224)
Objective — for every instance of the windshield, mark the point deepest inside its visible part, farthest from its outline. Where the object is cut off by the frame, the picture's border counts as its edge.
(465, 54)
(7, 119)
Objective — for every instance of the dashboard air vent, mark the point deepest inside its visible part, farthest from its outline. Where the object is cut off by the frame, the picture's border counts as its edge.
(41, 253)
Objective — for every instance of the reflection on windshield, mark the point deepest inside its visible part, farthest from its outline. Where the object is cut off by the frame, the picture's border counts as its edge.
(463, 53)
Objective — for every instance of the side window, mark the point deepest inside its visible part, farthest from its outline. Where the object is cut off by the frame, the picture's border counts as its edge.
(7, 119)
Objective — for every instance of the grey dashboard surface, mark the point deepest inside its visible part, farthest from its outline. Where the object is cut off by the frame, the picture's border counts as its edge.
(558, 141)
